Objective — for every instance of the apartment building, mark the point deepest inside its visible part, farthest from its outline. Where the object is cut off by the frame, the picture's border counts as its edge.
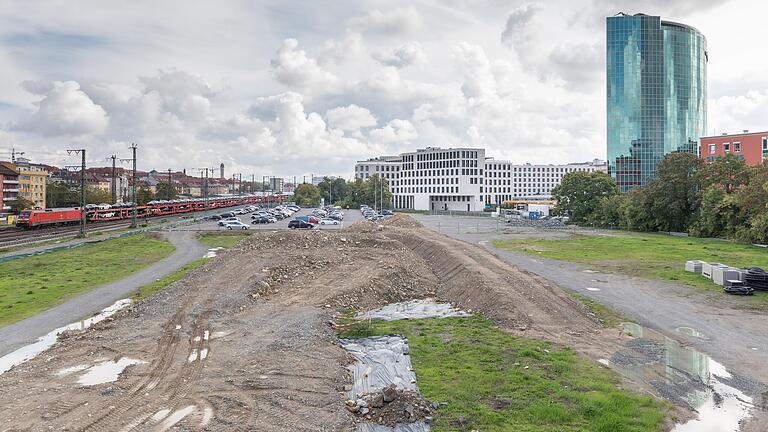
(32, 181)
(9, 186)
(464, 179)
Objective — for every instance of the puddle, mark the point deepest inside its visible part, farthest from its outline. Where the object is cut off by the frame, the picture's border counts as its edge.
(685, 377)
(30, 351)
(212, 252)
(107, 371)
(176, 417)
(593, 289)
(71, 370)
(690, 331)
(414, 309)
(163, 413)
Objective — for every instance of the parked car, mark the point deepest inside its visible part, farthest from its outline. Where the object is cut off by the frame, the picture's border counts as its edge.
(329, 222)
(387, 212)
(237, 225)
(299, 224)
(227, 215)
(259, 219)
(225, 221)
(272, 219)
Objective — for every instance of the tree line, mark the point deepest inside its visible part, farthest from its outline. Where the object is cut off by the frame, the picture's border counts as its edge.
(371, 191)
(724, 198)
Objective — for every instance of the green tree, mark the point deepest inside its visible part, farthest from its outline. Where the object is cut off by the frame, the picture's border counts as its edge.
(375, 192)
(60, 194)
(333, 190)
(579, 194)
(306, 195)
(166, 191)
(674, 193)
(635, 211)
(94, 195)
(19, 204)
(728, 173)
(143, 196)
(354, 194)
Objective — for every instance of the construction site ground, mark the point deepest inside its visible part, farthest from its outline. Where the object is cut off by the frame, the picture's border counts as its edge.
(243, 342)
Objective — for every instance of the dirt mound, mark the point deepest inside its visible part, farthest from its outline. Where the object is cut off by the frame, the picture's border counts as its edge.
(473, 279)
(340, 270)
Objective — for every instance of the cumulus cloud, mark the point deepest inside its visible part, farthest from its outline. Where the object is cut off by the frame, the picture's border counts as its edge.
(395, 131)
(517, 30)
(405, 55)
(732, 114)
(390, 21)
(350, 118)
(293, 68)
(338, 51)
(65, 110)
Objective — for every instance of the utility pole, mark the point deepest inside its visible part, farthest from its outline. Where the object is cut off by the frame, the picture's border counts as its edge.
(81, 234)
(113, 187)
(133, 184)
(170, 184)
(253, 183)
(239, 183)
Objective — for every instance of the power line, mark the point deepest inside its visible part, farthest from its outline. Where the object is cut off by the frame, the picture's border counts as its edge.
(81, 234)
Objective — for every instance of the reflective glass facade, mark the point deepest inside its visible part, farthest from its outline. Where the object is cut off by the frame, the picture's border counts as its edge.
(656, 78)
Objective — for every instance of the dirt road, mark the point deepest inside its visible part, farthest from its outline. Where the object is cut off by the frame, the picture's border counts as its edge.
(243, 343)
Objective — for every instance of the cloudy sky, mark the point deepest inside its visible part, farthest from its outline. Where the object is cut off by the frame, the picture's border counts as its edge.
(290, 88)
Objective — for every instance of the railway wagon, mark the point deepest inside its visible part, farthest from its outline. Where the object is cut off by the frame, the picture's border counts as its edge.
(48, 217)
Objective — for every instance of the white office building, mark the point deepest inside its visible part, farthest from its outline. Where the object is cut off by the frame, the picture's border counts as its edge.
(464, 179)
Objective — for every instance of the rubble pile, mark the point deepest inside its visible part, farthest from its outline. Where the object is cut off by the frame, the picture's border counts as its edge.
(536, 223)
(391, 406)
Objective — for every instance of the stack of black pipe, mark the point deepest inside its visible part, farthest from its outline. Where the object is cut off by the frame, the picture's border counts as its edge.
(756, 278)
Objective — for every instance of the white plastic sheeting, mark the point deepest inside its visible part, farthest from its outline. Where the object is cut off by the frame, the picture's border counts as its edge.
(381, 361)
(400, 427)
(414, 309)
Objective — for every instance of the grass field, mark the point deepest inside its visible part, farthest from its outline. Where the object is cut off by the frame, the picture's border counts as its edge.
(493, 381)
(213, 240)
(652, 256)
(33, 284)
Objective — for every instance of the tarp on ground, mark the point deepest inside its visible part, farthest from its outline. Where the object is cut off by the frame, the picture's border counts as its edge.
(402, 427)
(414, 309)
(381, 361)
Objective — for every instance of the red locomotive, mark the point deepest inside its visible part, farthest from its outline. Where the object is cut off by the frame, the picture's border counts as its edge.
(48, 217)
(66, 216)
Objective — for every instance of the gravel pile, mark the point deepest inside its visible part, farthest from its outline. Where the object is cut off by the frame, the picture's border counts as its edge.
(391, 406)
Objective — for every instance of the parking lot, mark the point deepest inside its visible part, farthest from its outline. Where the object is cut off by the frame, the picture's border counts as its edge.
(350, 216)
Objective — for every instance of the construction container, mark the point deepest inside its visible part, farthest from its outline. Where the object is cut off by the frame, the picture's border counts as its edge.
(722, 274)
(694, 266)
(706, 268)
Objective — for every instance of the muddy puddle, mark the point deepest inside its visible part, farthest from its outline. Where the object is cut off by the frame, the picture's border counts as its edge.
(685, 377)
(212, 252)
(30, 351)
(105, 372)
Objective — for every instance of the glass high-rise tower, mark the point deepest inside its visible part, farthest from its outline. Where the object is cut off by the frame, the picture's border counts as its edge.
(657, 94)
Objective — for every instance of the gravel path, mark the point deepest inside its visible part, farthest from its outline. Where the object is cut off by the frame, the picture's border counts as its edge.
(735, 337)
(26, 331)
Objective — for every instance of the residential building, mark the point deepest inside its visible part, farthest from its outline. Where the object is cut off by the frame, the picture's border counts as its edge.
(464, 179)
(9, 186)
(656, 94)
(751, 147)
(32, 181)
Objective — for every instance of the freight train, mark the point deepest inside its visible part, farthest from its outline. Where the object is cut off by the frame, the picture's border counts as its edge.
(30, 219)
